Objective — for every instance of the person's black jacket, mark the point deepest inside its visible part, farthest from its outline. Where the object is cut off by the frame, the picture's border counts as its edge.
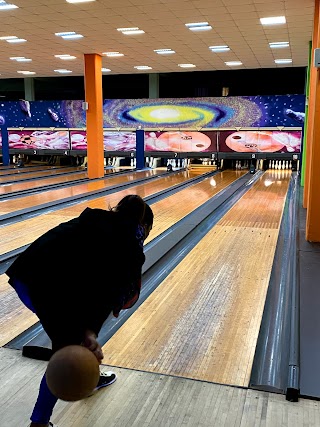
(77, 272)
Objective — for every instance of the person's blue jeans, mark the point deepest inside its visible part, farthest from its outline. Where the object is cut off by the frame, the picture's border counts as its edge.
(46, 401)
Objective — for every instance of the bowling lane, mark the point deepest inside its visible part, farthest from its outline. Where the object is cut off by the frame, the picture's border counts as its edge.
(26, 169)
(14, 316)
(18, 176)
(14, 235)
(165, 218)
(203, 321)
(31, 200)
(50, 180)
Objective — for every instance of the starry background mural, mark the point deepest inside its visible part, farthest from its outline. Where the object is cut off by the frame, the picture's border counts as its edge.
(191, 113)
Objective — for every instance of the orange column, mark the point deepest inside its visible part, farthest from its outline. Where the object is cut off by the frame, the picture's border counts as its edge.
(313, 196)
(311, 105)
(93, 96)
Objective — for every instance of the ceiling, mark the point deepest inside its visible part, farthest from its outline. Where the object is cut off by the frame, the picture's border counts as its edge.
(234, 23)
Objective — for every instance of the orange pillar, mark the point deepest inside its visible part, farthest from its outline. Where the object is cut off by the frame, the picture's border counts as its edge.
(93, 96)
(311, 104)
(313, 196)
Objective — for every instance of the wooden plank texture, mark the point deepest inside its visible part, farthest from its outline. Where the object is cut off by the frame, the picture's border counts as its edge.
(202, 322)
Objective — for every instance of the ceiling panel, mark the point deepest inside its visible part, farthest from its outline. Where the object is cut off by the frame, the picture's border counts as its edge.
(235, 23)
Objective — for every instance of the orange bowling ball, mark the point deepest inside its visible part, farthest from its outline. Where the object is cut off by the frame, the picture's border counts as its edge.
(254, 141)
(72, 373)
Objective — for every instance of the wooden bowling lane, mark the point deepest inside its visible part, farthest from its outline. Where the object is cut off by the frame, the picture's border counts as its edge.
(162, 221)
(24, 232)
(19, 175)
(15, 170)
(36, 199)
(203, 321)
(14, 316)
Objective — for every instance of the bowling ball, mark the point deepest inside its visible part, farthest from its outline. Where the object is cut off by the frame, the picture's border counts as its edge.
(72, 373)
(254, 141)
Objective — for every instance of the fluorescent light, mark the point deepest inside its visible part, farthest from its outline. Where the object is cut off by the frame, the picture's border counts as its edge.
(218, 49)
(21, 59)
(186, 65)
(196, 24)
(63, 71)
(143, 67)
(277, 45)
(8, 37)
(26, 72)
(15, 58)
(65, 33)
(112, 54)
(78, 1)
(72, 36)
(65, 57)
(283, 61)
(233, 63)
(164, 51)
(199, 26)
(128, 29)
(273, 20)
(6, 6)
(206, 28)
(16, 40)
(105, 70)
(133, 32)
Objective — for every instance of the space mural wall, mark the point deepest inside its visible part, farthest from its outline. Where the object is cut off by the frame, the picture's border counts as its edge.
(183, 124)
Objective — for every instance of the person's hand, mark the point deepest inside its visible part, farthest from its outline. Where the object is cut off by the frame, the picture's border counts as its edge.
(90, 342)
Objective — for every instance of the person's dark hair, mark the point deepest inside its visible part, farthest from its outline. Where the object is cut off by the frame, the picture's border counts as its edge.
(133, 207)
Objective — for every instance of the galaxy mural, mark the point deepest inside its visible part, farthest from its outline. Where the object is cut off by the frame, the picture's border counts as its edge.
(190, 113)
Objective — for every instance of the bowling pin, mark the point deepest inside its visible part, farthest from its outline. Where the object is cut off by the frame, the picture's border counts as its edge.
(290, 165)
(287, 164)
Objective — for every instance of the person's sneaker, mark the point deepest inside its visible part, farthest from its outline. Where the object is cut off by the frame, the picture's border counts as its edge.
(106, 378)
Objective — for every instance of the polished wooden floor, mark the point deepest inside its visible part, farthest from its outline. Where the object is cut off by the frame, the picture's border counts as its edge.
(184, 357)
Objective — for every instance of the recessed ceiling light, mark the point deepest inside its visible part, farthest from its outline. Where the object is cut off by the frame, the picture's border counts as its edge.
(186, 65)
(199, 26)
(233, 63)
(72, 36)
(283, 61)
(16, 40)
(26, 72)
(218, 49)
(7, 6)
(8, 37)
(112, 54)
(105, 70)
(20, 59)
(164, 51)
(65, 57)
(65, 33)
(63, 71)
(273, 20)
(130, 31)
(277, 45)
(143, 67)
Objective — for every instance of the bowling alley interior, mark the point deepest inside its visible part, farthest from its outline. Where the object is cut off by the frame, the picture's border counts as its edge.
(208, 110)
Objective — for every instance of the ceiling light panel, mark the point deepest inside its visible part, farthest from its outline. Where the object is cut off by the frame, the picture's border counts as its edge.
(233, 63)
(283, 61)
(273, 20)
(278, 45)
(7, 6)
(218, 49)
(164, 51)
